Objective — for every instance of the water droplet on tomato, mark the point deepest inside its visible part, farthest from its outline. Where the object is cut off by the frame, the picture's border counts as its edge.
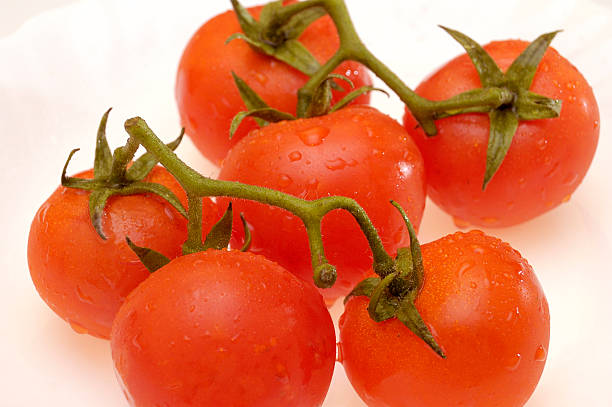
(489, 220)
(513, 362)
(339, 352)
(460, 223)
(78, 328)
(571, 98)
(477, 249)
(136, 341)
(595, 124)
(566, 198)
(284, 180)
(540, 354)
(545, 67)
(570, 179)
(83, 296)
(295, 156)
(336, 164)
(261, 78)
(169, 213)
(542, 143)
(313, 136)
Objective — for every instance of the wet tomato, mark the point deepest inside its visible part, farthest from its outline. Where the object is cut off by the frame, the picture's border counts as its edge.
(485, 308)
(207, 97)
(224, 328)
(356, 152)
(83, 278)
(546, 161)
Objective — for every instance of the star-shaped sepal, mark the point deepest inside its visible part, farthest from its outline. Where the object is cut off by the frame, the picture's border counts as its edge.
(116, 174)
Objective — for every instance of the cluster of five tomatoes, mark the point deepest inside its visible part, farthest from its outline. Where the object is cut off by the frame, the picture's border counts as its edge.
(233, 328)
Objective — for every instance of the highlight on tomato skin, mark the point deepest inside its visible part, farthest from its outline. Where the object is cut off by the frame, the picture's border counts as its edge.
(208, 99)
(547, 159)
(85, 279)
(485, 308)
(356, 152)
(224, 328)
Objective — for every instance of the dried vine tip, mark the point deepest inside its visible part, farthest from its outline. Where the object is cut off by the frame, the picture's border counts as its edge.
(325, 275)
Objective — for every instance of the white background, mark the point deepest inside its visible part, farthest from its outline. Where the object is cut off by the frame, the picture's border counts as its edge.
(62, 68)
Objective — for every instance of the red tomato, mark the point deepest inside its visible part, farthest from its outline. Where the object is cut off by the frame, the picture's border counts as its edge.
(356, 152)
(221, 328)
(546, 161)
(83, 278)
(206, 94)
(486, 310)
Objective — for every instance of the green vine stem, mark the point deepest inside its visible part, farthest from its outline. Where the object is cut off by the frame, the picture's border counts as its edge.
(310, 212)
(352, 48)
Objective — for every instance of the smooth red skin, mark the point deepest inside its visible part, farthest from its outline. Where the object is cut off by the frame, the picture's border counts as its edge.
(85, 279)
(375, 161)
(208, 99)
(484, 306)
(546, 161)
(221, 328)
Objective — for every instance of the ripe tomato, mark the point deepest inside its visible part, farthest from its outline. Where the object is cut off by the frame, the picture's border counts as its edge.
(486, 310)
(224, 328)
(207, 97)
(83, 278)
(546, 161)
(356, 152)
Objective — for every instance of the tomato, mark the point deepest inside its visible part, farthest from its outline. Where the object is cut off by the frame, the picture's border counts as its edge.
(485, 308)
(83, 278)
(207, 97)
(546, 161)
(224, 328)
(356, 152)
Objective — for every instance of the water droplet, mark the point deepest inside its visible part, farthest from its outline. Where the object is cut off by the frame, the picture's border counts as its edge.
(78, 328)
(192, 308)
(187, 338)
(545, 67)
(169, 213)
(284, 180)
(542, 143)
(473, 284)
(221, 349)
(566, 198)
(336, 164)
(136, 341)
(261, 78)
(513, 362)
(570, 85)
(82, 296)
(313, 136)
(477, 249)
(489, 220)
(235, 337)
(571, 99)
(540, 354)
(595, 124)
(339, 352)
(295, 156)
(570, 179)
(460, 223)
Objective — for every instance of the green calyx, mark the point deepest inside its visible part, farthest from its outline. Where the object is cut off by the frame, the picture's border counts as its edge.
(522, 104)
(320, 104)
(276, 33)
(114, 176)
(392, 295)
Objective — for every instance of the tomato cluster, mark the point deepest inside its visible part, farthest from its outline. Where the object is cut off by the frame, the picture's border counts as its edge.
(226, 327)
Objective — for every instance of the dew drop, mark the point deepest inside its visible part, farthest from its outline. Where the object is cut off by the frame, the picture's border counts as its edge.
(136, 341)
(570, 179)
(261, 78)
(513, 362)
(489, 220)
(566, 198)
(571, 99)
(336, 164)
(596, 124)
(460, 223)
(169, 213)
(295, 156)
(542, 143)
(82, 296)
(339, 352)
(477, 249)
(284, 180)
(313, 136)
(540, 354)
(78, 328)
